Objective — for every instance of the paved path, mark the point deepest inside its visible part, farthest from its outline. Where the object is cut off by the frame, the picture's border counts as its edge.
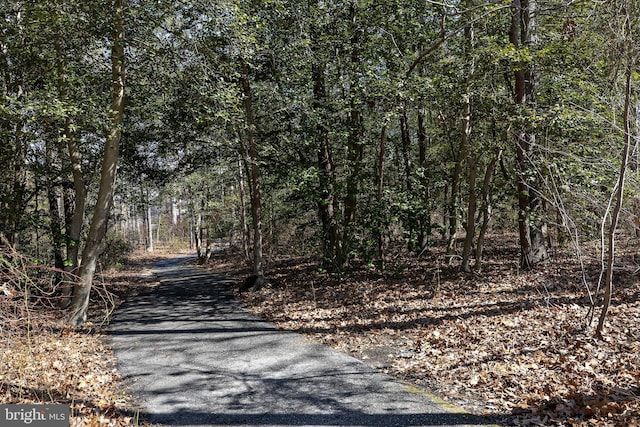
(195, 358)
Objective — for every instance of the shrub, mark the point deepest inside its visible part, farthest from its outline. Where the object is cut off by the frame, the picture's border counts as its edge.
(116, 249)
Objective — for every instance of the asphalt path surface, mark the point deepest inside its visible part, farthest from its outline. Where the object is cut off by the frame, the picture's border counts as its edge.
(194, 357)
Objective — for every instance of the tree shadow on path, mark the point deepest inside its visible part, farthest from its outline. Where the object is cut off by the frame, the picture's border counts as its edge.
(194, 357)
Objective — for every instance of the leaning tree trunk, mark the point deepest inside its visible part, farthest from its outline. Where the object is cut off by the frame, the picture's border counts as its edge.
(98, 228)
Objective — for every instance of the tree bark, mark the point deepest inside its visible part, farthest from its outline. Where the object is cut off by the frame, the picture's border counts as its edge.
(381, 228)
(326, 196)
(53, 197)
(608, 290)
(74, 200)
(466, 150)
(244, 230)
(472, 203)
(149, 225)
(98, 227)
(405, 139)
(425, 221)
(79, 200)
(254, 173)
(532, 244)
(355, 147)
(452, 205)
(486, 211)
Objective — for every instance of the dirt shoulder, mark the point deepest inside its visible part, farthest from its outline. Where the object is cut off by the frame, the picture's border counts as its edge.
(501, 342)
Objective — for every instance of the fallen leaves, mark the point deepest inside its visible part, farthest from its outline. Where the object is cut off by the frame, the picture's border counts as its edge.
(49, 363)
(70, 368)
(508, 344)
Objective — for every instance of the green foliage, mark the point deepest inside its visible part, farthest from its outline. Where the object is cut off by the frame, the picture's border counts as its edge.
(115, 251)
(324, 76)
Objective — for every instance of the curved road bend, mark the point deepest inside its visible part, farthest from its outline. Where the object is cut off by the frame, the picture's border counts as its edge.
(194, 357)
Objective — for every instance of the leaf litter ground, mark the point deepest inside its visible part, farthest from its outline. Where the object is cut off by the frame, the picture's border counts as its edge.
(510, 344)
(48, 362)
(504, 343)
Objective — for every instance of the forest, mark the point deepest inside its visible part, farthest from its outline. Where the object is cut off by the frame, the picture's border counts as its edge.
(435, 148)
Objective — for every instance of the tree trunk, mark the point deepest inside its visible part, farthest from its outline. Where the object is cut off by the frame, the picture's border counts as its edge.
(244, 230)
(74, 201)
(158, 224)
(465, 147)
(381, 228)
(471, 217)
(75, 195)
(200, 231)
(252, 160)
(149, 225)
(326, 196)
(98, 228)
(405, 146)
(53, 198)
(355, 148)
(620, 188)
(197, 233)
(532, 244)
(425, 221)
(452, 205)
(485, 210)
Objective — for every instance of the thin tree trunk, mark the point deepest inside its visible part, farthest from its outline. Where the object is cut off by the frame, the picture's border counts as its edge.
(424, 224)
(200, 232)
(326, 199)
(452, 205)
(471, 216)
(252, 157)
(465, 147)
(158, 225)
(149, 225)
(620, 191)
(381, 229)
(486, 211)
(53, 197)
(98, 228)
(244, 230)
(197, 235)
(405, 145)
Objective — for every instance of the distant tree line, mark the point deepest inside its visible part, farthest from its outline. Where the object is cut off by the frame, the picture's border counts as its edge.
(346, 129)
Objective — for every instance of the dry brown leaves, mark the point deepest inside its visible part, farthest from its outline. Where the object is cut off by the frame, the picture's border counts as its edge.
(69, 368)
(508, 344)
(50, 363)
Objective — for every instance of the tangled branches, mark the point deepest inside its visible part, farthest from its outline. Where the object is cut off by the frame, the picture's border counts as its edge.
(31, 295)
